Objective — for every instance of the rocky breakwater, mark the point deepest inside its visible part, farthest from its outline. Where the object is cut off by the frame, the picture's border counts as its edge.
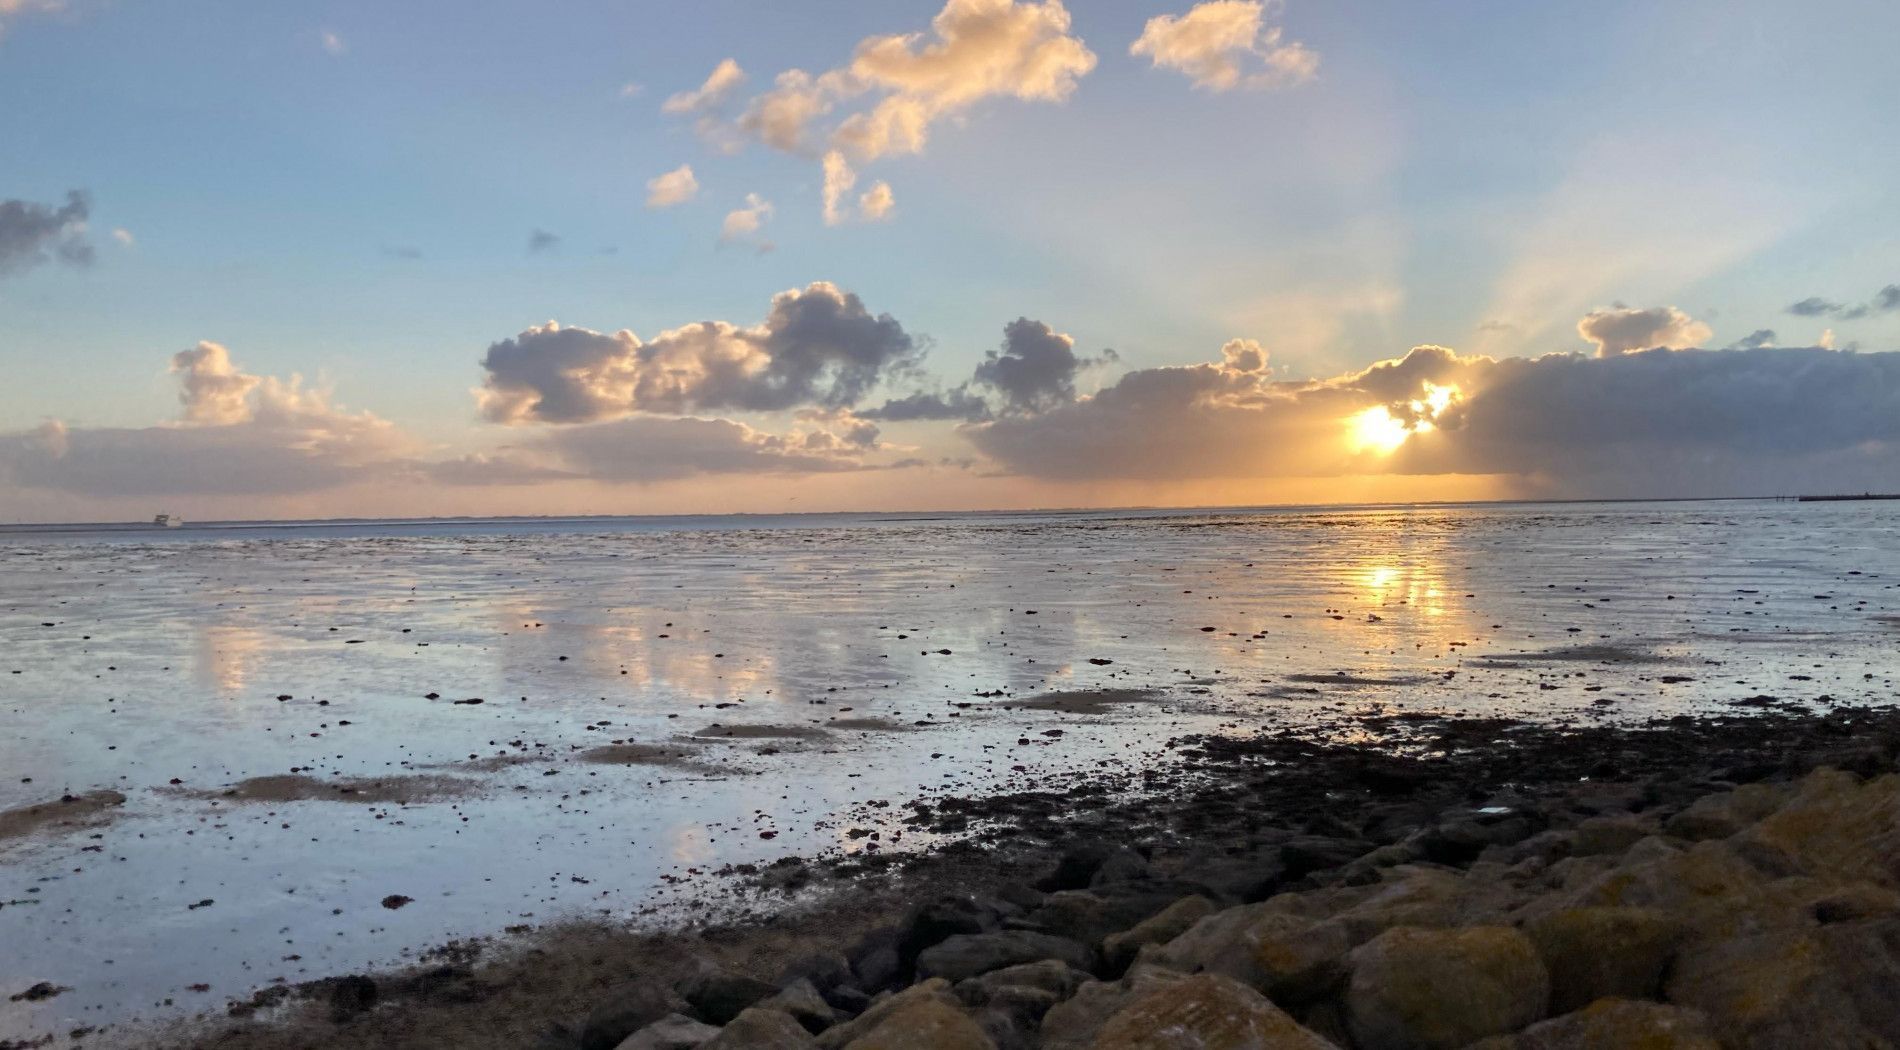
(1766, 915)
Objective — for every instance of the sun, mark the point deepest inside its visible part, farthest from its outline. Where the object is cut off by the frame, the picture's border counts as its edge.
(1378, 431)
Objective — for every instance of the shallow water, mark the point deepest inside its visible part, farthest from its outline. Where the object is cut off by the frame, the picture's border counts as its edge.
(775, 673)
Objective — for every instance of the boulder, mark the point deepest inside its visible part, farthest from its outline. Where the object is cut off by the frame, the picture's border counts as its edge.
(1289, 957)
(924, 1023)
(1205, 1012)
(625, 1010)
(760, 1029)
(1835, 826)
(1722, 815)
(1613, 834)
(801, 1000)
(824, 969)
(1773, 988)
(1592, 953)
(1613, 1024)
(672, 1032)
(1073, 1023)
(1118, 949)
(1429, 989)
(1050, 975)
(970, 954)
(717, 996)
(1309, 853)
(1123, 865)
(838, 1035)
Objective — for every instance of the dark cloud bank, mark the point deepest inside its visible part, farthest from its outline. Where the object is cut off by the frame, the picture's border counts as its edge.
(32, 234)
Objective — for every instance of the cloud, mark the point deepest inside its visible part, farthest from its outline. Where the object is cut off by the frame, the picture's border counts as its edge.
(654, 448)
(543, 241)
(709, 96)
(1035, 369)
(1755, 340)
(957, 404)
(332, 43)
(876, 203)
(1621, 329)
(816, 347)
(744, 222)
(839, 179)
(1223, 44)
(238, 434)
(1654, 422)
(674, 187)
(211, 389)
(982, 49)
(1884, 301)
(11, 8)
(632, 89)
(124, 237)
(886, 99)
(32, 234)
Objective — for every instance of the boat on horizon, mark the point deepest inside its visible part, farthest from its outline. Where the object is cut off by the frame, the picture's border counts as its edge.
(167, 521)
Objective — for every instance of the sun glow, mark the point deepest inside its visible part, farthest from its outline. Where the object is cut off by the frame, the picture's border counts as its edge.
(1378, 430)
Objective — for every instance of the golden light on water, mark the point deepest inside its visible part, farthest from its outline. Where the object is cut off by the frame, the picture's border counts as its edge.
(1377, 430)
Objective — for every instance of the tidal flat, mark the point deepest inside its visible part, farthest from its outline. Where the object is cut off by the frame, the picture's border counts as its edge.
(240, 759)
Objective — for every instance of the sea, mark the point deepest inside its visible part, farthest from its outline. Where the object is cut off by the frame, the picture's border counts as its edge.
(296, 749)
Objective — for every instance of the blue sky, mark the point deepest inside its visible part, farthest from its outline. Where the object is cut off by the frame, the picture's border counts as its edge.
(347, 190)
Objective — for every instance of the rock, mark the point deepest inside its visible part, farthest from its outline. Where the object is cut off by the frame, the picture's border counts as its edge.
(349, 996)
(1426, 989)
(935, 921)
(1771, 989)
(1592, 953)
(1073, 1023)
(837, 1036)
(929, 1023)
(1076, 867)
(759, 1029)
(1462, 839)
(624, 1011)
(1123, 865)
(1245, 879)
(1050, 975)
(1719, 816)
(717, 996)
(1614, 1024)
(1205, 1012)
(1309, 853)
(672, 1032)
(1290, 957)
(967, 955)
(1118, 949)
(801, 1000)
(1835, 826)
(1613, 834)
(1088, 916)
(823, 969)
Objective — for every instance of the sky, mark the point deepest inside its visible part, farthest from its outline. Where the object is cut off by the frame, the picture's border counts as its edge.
(329, 259)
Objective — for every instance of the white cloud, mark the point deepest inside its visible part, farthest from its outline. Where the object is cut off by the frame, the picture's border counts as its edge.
(238, 433)
(332, 42)
(746, 221)
(720, 84)
(1224, 44)
(1622, 330)
(896, 86)
(839, 179)
(632, 89)
(876, 203)
(675, 187)
(124, 237)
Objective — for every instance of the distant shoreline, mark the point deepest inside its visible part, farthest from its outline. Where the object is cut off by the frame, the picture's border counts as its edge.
(1846, 499)
(193, 525)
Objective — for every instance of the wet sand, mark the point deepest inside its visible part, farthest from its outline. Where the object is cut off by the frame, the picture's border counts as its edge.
(1200, 817)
